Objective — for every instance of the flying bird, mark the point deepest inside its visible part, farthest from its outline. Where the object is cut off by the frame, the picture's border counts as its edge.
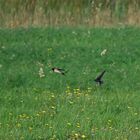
(99, 78)
(58, 70)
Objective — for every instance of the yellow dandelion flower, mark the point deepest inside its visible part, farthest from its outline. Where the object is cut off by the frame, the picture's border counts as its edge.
(76, 135)
(43, 111)
(110, 127)
(83, 136)
(52, 107)
(77, 89)
(52, 96)
(109, 121)
(78, 125)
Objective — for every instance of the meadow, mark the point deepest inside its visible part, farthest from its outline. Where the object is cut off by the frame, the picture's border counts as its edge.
(37, 104)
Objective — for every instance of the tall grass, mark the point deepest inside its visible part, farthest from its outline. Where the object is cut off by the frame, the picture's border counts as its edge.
(68, 12)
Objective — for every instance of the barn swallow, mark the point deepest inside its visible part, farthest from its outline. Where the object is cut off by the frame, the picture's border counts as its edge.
(99, 78)
(58, 70)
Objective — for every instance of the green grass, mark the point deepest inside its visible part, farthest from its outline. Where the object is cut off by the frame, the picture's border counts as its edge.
(71, 106)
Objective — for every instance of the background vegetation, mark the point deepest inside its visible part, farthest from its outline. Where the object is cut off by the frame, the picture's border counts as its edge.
(15, 13)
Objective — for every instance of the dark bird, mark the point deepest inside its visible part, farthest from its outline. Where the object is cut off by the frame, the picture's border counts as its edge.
(99, 78)
(58, 70)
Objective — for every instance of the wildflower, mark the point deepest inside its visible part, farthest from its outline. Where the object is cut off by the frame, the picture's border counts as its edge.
(76, 135)
(37, 115)
(83, 136)
(78, 125)
(52, 107)
(41, 73)
(110, 127)
(52, 96)
(47, 124)
(30, 129)
(43, 111)
(109, 121)
(103, 52)
(70, 102)
(69, 124)
(49, 49)
(89, 89)
(18, 125)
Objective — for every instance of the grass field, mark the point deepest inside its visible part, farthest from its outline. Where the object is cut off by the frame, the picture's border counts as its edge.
(37, 104)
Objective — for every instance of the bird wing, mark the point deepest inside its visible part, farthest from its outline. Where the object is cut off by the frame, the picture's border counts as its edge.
(60, 69)
(100, 76)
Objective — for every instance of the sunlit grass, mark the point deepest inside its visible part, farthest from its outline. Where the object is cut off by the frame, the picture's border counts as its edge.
(39, 104)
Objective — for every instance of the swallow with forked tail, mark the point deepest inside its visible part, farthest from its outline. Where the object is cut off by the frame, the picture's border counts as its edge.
(58, 70)
(99, 78)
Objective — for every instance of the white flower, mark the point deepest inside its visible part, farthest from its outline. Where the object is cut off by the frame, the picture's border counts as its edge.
(103, 52)
(41, 73)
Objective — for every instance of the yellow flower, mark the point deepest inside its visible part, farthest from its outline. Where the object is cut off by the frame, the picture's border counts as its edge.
(83, 136)
(76, 135)
(109, 121)
(43, 111)
(52, 96)
(78, 125)
(47, 124)
(37, 115)
(52, 107)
